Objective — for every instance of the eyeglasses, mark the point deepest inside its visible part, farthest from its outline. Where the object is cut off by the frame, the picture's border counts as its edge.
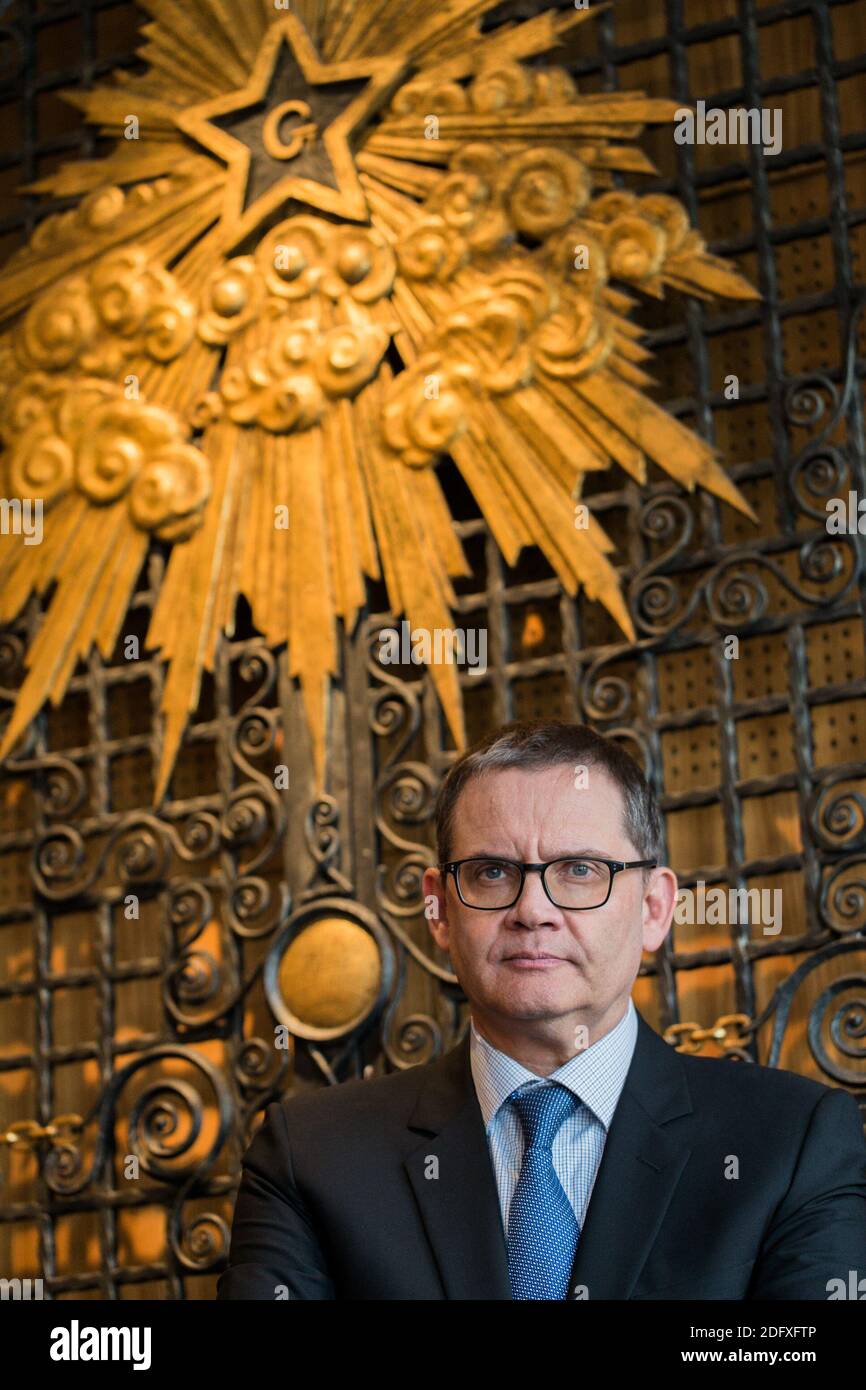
(578, 885)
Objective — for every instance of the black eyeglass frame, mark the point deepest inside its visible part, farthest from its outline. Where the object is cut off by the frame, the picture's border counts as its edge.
(615, 866)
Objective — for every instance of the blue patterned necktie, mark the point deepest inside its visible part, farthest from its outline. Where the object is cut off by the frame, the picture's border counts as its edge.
(542, 1228)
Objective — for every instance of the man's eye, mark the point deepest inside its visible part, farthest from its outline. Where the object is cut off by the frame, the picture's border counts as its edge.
(490, 869)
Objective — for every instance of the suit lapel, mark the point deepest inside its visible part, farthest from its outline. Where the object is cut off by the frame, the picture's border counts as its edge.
(639, 1170)
(637, 1176)
(460, 1205)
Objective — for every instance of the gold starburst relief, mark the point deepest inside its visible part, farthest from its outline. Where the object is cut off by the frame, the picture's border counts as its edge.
(344, 244)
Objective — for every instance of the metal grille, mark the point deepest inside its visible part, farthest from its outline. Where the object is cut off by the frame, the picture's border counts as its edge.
(158, 1031)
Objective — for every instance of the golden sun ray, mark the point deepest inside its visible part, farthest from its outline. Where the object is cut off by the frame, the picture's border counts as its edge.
(296, 283)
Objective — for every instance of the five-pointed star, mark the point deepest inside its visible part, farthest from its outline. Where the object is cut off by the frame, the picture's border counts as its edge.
(342, 194)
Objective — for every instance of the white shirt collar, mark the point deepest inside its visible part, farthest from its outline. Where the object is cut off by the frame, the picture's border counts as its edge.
(596, 1075)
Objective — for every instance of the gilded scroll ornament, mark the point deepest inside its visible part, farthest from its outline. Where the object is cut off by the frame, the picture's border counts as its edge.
(327, 249)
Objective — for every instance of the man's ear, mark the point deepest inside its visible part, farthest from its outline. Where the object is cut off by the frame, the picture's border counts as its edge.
(659, 903)
(433, 885)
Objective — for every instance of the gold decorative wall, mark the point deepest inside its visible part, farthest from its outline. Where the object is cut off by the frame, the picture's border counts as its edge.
(318, 321)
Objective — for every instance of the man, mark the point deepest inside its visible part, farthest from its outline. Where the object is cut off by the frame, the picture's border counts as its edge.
(562, 1149)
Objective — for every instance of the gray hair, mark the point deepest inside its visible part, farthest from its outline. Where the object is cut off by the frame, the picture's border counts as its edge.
(541, 743)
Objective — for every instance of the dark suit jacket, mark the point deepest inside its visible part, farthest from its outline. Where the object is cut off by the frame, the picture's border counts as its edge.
(338, 1198)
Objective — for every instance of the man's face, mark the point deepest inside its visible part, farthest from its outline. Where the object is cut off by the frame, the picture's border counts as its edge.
(535, 961)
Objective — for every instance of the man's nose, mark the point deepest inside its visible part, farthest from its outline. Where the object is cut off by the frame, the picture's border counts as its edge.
(533, 906)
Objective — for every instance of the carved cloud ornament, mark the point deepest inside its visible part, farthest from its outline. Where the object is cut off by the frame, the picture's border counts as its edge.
(327, 249)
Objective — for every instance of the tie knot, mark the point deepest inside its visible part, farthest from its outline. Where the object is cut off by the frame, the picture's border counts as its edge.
(542, 1110)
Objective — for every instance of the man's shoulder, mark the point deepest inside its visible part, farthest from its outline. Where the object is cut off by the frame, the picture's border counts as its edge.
(752, 1086)
(731, 1089)
(373, 1098)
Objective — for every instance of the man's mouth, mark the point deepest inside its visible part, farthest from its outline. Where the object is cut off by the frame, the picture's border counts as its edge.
(531, 960)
